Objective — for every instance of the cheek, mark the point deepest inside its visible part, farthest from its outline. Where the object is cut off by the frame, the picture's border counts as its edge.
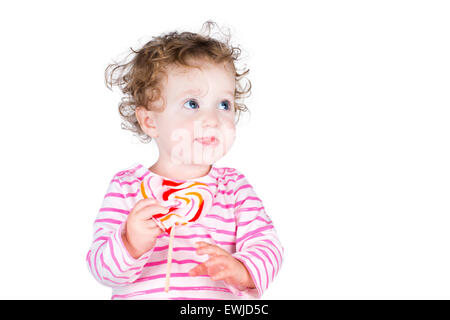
(172, 130)
(229, 133)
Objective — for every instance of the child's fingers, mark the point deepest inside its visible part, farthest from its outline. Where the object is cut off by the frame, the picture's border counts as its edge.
(152, 226)
(209, 249)
(222, 275)
(198, 270)
(218, 268)
(149, 211)
(200, 244)
(218, 262)
(154, 231)
(150, 223)
(144, 203)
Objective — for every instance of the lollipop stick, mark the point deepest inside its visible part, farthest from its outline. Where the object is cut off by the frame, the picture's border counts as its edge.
(169, 258)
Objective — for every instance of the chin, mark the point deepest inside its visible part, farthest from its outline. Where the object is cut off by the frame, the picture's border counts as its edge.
(199, 155)
(206, 159)
(200, 160)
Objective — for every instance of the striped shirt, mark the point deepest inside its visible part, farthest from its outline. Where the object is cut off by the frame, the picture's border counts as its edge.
(237, 222)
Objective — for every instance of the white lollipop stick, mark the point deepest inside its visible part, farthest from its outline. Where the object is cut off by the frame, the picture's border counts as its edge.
(169, 258)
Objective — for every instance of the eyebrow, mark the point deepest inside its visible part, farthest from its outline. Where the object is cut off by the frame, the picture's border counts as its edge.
(196, 91)
(190, 91)
(231, 93)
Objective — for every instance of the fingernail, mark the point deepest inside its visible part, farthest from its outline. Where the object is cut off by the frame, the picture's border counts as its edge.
(170, 203)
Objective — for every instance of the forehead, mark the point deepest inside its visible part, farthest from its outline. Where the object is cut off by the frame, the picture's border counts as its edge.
(200, 74)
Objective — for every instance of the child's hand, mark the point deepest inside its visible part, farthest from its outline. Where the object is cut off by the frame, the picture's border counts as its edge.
(140, 229)
(222, 266)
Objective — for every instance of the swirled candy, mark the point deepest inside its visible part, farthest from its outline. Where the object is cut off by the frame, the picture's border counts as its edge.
(186, 200)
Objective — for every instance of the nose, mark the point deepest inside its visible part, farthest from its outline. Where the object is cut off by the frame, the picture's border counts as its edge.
(210, 118)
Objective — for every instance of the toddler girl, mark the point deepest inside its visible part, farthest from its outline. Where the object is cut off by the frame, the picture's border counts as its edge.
(183, 91)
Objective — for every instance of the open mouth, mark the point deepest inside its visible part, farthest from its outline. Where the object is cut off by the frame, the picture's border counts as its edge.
(208, 141)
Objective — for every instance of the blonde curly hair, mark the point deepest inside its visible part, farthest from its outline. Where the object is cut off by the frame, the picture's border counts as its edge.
(139, 78)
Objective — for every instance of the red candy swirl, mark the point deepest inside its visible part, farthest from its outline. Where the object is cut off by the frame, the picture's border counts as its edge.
(186, 200)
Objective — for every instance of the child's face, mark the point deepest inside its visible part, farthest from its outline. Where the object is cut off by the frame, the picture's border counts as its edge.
(197, 125)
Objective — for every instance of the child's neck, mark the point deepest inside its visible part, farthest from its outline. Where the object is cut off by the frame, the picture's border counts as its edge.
(179, 171)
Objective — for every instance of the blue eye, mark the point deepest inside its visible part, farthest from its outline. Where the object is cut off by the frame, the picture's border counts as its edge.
(191, 104)
(224, 105)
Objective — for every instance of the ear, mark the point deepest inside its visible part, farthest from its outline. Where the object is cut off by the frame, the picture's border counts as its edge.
(146, 120)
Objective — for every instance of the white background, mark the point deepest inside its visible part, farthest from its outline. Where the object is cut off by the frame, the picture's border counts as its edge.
(347, 142)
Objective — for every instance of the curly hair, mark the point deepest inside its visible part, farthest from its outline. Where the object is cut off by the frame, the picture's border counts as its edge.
(139, 78)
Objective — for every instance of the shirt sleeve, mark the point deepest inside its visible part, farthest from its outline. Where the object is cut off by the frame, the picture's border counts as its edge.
(108, 260)
(257, 244)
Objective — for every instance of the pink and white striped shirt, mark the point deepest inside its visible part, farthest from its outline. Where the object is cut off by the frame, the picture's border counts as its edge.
(237, 222)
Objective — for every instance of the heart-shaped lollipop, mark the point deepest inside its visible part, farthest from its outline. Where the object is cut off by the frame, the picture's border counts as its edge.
(186, 200)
